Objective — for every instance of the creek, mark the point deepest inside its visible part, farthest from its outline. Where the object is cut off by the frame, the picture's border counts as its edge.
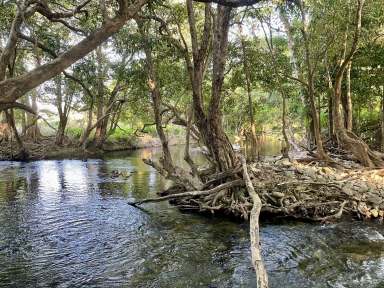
(66, 223)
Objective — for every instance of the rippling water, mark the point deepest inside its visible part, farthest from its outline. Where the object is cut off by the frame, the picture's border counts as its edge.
(67, 224)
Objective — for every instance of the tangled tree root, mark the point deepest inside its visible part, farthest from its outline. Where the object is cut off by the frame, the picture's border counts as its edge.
(294, 190)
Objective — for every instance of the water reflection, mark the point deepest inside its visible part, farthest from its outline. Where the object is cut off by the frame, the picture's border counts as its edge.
(67, 224)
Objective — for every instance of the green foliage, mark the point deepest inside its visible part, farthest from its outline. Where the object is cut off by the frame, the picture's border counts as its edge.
(74, 132)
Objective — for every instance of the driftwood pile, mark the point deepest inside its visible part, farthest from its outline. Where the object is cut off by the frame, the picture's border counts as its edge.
(288, 189)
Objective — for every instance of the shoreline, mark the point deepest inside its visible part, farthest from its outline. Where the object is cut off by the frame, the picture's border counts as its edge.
(46, 149)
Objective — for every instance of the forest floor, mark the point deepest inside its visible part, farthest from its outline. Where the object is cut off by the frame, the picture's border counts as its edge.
(45, 148)
(299, 189)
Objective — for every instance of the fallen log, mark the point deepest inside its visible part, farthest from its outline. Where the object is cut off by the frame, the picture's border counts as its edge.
(257, 261)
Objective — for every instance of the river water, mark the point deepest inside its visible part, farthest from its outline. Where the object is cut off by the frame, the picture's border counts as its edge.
(67, 224)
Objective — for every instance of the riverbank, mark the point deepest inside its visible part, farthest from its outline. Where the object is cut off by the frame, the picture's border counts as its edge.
(45, 148)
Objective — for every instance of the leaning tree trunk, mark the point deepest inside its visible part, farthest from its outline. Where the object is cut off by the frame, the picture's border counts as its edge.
(14, 88)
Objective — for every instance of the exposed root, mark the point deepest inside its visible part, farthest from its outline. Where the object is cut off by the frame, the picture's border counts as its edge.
(288, 189)
(334, 216)
(226, 185)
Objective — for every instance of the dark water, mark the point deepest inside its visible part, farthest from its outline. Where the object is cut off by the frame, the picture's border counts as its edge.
(67, 224)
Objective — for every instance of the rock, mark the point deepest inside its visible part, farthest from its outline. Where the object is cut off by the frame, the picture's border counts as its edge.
(327, 170)
(347, 189)
(290, 173)
(374, 199)
(375, 213)
(278, 194)
(284, 162)
(310, 173)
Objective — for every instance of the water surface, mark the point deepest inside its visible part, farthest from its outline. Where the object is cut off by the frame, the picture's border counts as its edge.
(67, 224)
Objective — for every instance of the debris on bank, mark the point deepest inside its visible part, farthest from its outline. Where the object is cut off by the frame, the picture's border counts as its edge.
(292, 189)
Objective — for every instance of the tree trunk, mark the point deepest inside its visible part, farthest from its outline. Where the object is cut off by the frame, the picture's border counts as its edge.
(33, 131)
(23, 154)
(382, 120)
(23, 123)
(311, 86)
(213, 133)
(297, 73)
(253, 141)
(5, 129)
(347, 139)
(331, 122)
(62, 117)
(286, 148)
(61, 130)
(348, 99)
(87, 131)
(167, 167)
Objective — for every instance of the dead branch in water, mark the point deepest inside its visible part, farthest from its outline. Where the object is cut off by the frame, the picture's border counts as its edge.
(226, 185)
(257, 261)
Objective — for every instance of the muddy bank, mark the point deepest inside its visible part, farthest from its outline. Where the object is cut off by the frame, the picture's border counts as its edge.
(46, 148)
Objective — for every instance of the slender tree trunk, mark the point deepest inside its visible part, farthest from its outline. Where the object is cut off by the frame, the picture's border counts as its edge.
(23, 123)
(382, 120)
(167, 167)
(87, 131)
(62, 117)
(311, 86)
(348, 99)
(286, 148)
(253, 141)
(100, 98)
(331, 123)
(297, 73)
